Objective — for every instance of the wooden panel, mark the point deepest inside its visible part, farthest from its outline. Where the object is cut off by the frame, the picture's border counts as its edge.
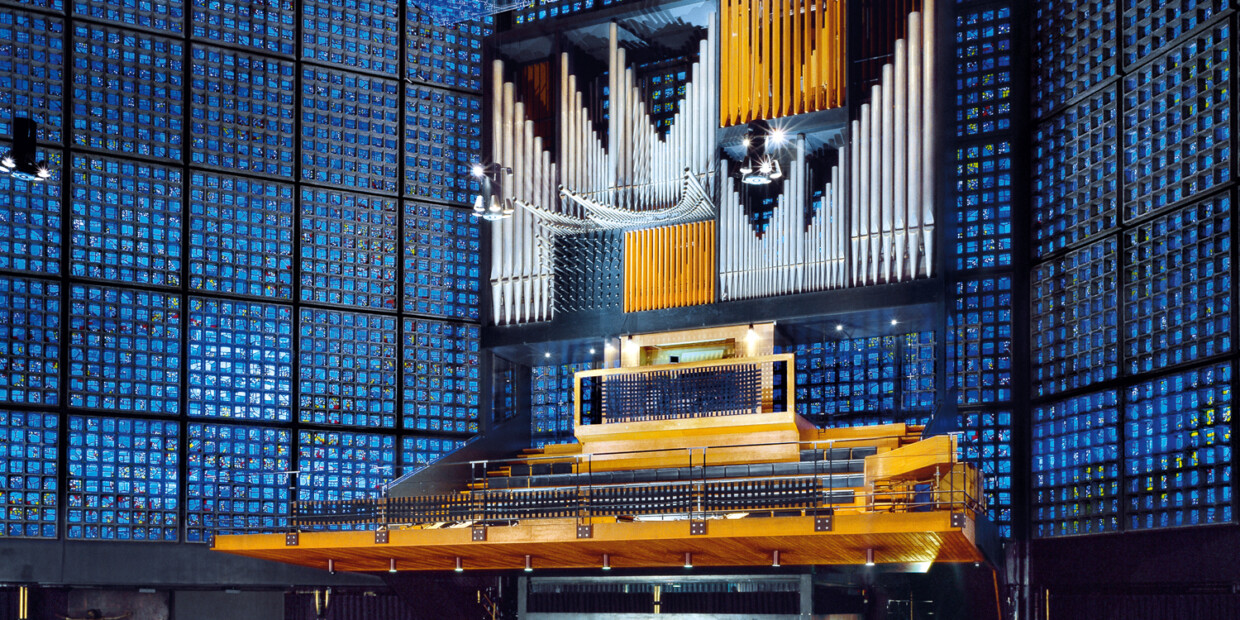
(911, 461)
(669, 267)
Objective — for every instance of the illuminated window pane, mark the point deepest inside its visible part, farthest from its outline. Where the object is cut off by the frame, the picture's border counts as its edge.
(984, 205)
(348, 368)
(986, 441)
(444, 55)
(237, 480)
(112, 68)
(29, 484)
(542, 10)
(32, 65)
(979, 343)
(240, 360)
(358, 34)
(349, 130)
(551, 401)
(443, 136)
(1177, 296)
(348, 249)
(1151, 24)
(1075, 178)
(418, 452)
(29, 341)
(1076, 47)
(440, 376)
(241, 236)
(1177, 449)
(124, 350)
(863, 381)
(442, 268)
(1075, 323)
(983, 71)
(342, 466)
(243, 112)
(1177, 123)
(1076, 466)
(30, 221)
(163, 16)
(123, 479)
(267, 25)
(126, 221)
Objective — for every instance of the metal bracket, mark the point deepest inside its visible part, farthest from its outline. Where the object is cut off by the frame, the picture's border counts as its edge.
(824, 524)
(585, 531)
(480, 533)
(697, 528)
(381, 537)
(958, 519)
(292, 539)
(211, 541)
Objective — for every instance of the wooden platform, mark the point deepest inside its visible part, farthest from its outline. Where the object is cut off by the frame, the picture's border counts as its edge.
(907, 537)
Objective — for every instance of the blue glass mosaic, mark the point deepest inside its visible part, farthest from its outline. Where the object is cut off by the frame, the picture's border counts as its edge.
(444, 55)
(30, 221)
(123, 479)
(348, 368)
(983, 71)
(241, 236)
(349, 130)
(124, 350)
(126, 221)
(237, 480)
(163, 16)
(551, 397)
(979, 343)
(1076, 47)
(1149, 25)
(29, 482)
(267, 25)
(348, 249)
(32, 72)
(441, 376)
(418, 452)
(240, 360)
(984, 205)
(443, 137)
(243, 110)
(1076, 466)
(29, 341)
(442, 261)
(542, 10)
(986, 441)
(360, 34)
(1075, 319)
(861, 381)
(337, 465)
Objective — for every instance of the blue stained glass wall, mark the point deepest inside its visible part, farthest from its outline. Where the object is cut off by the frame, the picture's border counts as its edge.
(986, 441)
(551, 402)
(542, 10)
(443, 137)
(983, 71)
(979, 341)
(241, 236)
(1076, 465)
(266, 25)
(348, 249)
(112, 70)
(1077, 45)
(123, 479)
(984, 205)
(30, 320)
(29, 476)
(441, 376)
(347, 368)
(30, 221)
(861, 381)
(126, 221)
(335, 104)
(237, 480)
(1177, 296)
(418, 452)
(124, 349)
(340, 465)
(362, 35)
(1151, 24)
(442, 264)
(243, 109)
(163, 16)
(240, 360)
(444, 55)
(32, 65)
(1177, 449)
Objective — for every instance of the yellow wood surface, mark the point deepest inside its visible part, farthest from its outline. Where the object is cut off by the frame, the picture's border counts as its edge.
(913, 461)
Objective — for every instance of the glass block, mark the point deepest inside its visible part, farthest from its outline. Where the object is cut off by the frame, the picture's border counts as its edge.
(1075, 322)
(29, 480)
(348, 249)
(444, 55)
(164, 16)
(124, 349)
(1177, 123)
(123, 479)
(237, 480)
(343, 466)
(54, 5)
(126, 221)
(662, 83)
(443, 137)
(242, 109)
(357, 34)
(917, 392)
(1076, 466)
(1177, 296)
(986, 442)
(348, 368)
(29, 341)
(983, 71)
(441, 374)
(32, 72)
(551, 401)
(1076, 175)
(1076, 47)
(30, 220)
(979, 341)
(542, 10)
(442, 264)
(267, 25)
(240, 360)
(1149, 25)
(112, 70)
(241, 236)
(984, 205)
(349, 126)
(418, 452)
(863, 381)
(1177, 449)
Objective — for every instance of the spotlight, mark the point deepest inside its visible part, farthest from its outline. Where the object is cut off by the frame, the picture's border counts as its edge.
(775, 559)
(869, 557)
(547, 354)
(392, 565)
(20, 160)
(778, 137)
(606, 561)
(490, 204)
(331, 566)
(688, 560)
(893, 321)
(478, 170)
(839, 328)
(459, 567)
(591, 350)
(529, 564)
